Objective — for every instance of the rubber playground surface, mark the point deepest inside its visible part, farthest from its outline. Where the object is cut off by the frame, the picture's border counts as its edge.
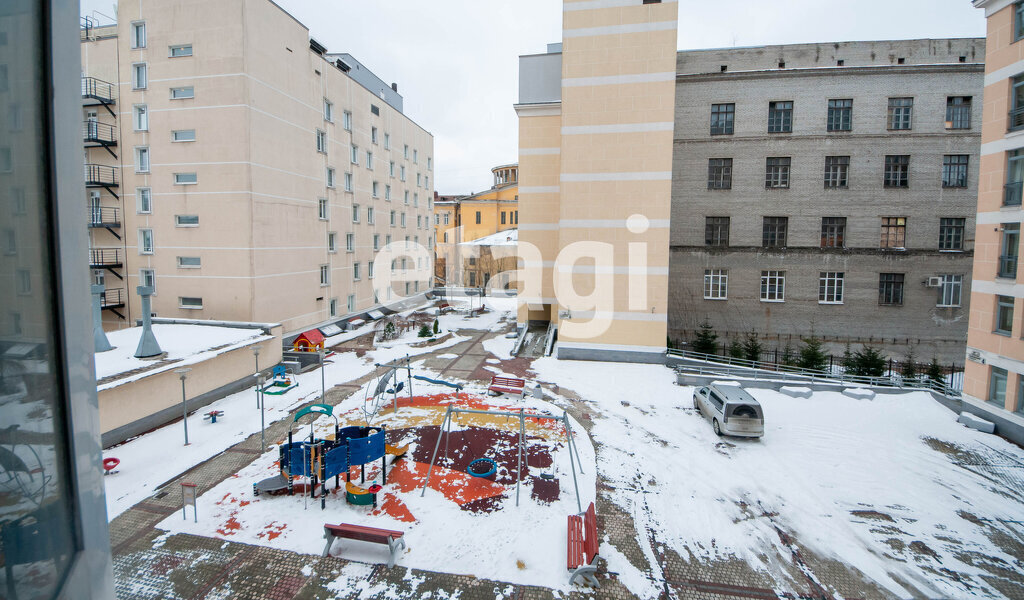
(462, 523)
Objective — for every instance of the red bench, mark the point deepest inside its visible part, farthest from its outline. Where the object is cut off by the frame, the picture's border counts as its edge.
(583, 547)
(393, 539)
(501, 384)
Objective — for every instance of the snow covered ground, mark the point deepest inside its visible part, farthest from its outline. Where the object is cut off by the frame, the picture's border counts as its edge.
(855, 480)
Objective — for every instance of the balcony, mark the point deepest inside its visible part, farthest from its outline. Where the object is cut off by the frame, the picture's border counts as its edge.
(101, 176)
(105, 258)
(1007, 267)
(112, 300)
(96, 92)
(99, 135)
(105, 217)
(1012, 193)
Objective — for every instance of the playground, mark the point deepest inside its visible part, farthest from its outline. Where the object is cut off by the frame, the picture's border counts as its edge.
(477, 484)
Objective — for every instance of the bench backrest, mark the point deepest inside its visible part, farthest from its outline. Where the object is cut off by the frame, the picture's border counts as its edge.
(590, 532)
(361, 533)
(508, 381)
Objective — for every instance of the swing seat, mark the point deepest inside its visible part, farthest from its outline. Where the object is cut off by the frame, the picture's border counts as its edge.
(492, 467)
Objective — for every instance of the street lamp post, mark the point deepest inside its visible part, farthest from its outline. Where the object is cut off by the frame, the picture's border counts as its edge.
(183, 373)
(323, 386)
(260, 380)
(256, 353)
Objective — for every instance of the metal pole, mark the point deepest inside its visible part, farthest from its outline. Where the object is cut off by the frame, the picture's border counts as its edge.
(519, 464)
(183, 373)
(437, 444)
(259, 387)
(323, 384)
(575, 484)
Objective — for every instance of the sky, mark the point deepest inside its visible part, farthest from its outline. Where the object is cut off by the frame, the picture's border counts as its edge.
(456, 61)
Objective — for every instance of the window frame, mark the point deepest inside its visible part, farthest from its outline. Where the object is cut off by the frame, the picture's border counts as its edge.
(179, 222)
(190, 90)
(780, 116)
(893, 233)
(831, 285)
(190, 306)
(773, 286)
(144, 207)
(716, 284)
(178, 178)
(951, 234)
(777, 172)
(833, 232)
(175, 132)
(840, 115)
(140, 75)
(955, 170)
(891, 288)
(837, 172)
(950, 291)
(189, 262)
(723, 118)
(774, 231)
(146, 235)
(174, 47)
(958, 112)
(719, 173)
(897, 171)
(1005, 307)
(137, 41)
(899, 114)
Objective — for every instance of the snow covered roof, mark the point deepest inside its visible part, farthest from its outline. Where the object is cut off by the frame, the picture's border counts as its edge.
(509, 237)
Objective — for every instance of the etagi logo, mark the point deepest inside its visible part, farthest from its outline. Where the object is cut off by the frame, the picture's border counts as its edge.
(583, 275)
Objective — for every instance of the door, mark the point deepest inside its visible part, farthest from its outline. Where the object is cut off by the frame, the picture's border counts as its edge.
(91, 120)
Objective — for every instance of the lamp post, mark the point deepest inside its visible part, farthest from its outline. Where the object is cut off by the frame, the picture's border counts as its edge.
(256, 353)
(323, 385)
(260, 380)
(183, 373)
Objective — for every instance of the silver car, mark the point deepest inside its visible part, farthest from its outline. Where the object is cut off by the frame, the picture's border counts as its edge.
(732, 411)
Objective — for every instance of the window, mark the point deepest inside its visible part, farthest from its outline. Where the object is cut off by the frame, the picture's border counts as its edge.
(420, 224)
(890, 289)
(185, 179)
(719, 173)
(183, 135)
(325, 275)
(369, 215)
(354, 154)
(503, 217)
(387, 193)
(6, 160)
(426, 181)
(387, 240)
(332, 241)
(147, 277)
(369, 270)
(430, 164)
(348, 182)
(405, 152)
(773, 286)
(190, 303)
(897, 170)
(894, 232)
(375, 190)
(415, 199)
(1004, 315)
(138, 34)
(369, 160)
(10, 242)
(954, 171)
(189, 262)
(180, 50)
(830, 287)
(958, 112)
(373, 134)
(140, 117)
(142, 159)
(1014, 188)
(837, 171)
(322, 212)
(446, 215)
(833, 232)
(330, 177)
(1009, 250)
(321, 141)
(182, 93)
(346, 120)
(780, 117)
(143, 201)
(387, 141)
(24, 282)
(145, 241)
(391, 168)
(900, 113)
(186, 220)
(351, 303)
(355, 213)
(392, 221)
(328, 111)
(776, 174)
(716, 284)
(840, 115)
(333, 307)
(350, 242)
(403, 225)
(950, 290)
(376, 246)
(415, 156)
(997, 387)
(1018, 21)
(951, 234)
(139, 76)
(773, 232)
(402, 172)
(374, 109)
(722, 118)
(355, 271)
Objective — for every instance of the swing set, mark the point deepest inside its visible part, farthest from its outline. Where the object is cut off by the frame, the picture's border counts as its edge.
(486, 467)
(390, 383)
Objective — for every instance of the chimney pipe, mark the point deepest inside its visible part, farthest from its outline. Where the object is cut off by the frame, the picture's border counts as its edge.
(394, 86)
(147, 341)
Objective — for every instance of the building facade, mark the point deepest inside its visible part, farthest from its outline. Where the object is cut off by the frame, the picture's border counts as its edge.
(994, 376)
(827, 190)
(245, 172)
(595, 157)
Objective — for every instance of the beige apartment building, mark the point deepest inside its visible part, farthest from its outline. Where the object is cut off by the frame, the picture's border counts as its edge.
(994, 377)
(245, 172)
(595, 180)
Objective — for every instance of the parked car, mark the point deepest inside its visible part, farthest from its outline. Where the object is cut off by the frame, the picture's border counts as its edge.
(732, 411)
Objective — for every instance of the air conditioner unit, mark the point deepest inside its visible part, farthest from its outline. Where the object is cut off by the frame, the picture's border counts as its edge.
(934, 282)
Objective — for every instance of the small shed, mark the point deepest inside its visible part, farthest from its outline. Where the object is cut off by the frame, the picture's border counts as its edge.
(309, 341)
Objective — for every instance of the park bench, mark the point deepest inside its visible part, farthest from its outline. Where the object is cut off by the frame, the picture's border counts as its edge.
(582, 543)
(393, 539)
(502, 384)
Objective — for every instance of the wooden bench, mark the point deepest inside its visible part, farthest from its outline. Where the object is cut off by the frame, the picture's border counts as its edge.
(394, 539)
(506, 385)
(582, 543)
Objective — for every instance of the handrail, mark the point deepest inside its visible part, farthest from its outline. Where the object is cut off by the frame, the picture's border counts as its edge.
(102, 216)
(98, 89)
(100, 174)
(101, 257)
(112, 298)
(94, 131)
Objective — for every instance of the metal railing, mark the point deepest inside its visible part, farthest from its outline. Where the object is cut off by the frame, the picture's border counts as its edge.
(100, 175)
(99, 133)
(102, 216)
(98, 89)
(720, 366)
(112, 298)
(1013, 192)
(1007, 267)
(104, 257)
(1016, 119)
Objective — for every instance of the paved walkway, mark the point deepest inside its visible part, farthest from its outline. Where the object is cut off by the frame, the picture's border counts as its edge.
(149, 564)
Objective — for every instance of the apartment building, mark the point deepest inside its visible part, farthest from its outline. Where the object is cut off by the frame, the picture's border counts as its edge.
(828, 190)
(595, 169)
(994, 375)
(245, 172)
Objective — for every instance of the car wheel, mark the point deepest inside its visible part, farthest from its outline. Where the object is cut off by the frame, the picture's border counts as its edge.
(718, 430)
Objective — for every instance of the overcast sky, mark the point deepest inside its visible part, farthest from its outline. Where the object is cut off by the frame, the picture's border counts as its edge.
(456, 61)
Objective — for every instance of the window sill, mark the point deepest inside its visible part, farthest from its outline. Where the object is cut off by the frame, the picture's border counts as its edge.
(190, 307)
(144, 253)
(1003, 333)
(951, 251)
(772, 301)
(186, 226)
(722, 299)
(947, 306)
(830, 303)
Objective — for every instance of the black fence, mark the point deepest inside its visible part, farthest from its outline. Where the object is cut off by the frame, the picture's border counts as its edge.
(112, 298)
(104, 216)
(100, 175)
(103, 91)
(105, 257)
(94, 132)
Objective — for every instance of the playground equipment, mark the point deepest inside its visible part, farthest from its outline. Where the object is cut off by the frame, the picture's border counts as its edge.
(522, 415)
(20, 478)
(320, 459)
(389, 383)
(308, 341)
(213, 415)
(109, 464)
(280, 383)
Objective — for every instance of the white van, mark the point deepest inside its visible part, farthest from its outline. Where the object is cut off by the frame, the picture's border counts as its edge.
(732, 411)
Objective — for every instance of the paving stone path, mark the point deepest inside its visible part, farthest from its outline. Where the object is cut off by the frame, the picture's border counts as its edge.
(149, 564)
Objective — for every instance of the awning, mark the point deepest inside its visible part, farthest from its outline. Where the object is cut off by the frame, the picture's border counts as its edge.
(375, 315)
